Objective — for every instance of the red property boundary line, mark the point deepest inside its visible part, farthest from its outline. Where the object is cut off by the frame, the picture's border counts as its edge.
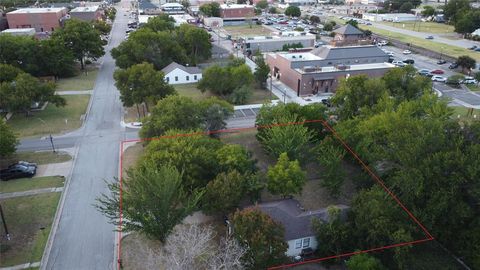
(429, 237)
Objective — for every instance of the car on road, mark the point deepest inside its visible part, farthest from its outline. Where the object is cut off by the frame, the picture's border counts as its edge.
(399, 63)
(441, 62)
(429, 37)
(382, 43)
(407, 52)
(409, 61)
(424, 72)
(437, 71)
(473, 47)
(17, 171)
(437, 78)
(453, 66)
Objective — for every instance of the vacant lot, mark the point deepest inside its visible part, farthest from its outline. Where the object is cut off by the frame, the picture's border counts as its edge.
(24, 184)
(52, 120)
(247, 30)
(81, 81)
(426, 27)
(29, 222)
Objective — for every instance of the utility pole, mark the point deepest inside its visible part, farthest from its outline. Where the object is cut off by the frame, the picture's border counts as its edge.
(51, 141)
(4, 223)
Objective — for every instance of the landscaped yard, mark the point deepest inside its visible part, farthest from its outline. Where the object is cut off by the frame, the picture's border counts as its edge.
(29, 222)
(53, 119)
(246, 30)
(426, 27)
(462, 113)
(81, 81)
(24, 184)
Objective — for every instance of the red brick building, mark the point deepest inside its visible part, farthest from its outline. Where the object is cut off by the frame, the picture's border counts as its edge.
(91, 13)
(42, 19)
(236, 11)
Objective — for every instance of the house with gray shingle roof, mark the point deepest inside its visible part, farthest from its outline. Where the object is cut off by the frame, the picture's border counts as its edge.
(297, 222)
(178, 74)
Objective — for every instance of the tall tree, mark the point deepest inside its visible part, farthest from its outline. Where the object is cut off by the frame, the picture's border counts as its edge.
(466, 62)
(261, 71)
(211, 9)
(20, 52)
(364, 261)
(453, 9)
(223, 194)
(235, 157)
(330, 157)
(428, 11)
(82, 39)
(293, 11)
(153, 201)
(195, 41)
(334, 233)
(54, 59)
(8, 140)
(262, 4)
(403, 83)
(261, 235)
(141, 83)
(222, 81)
(285, 177)
(162, 22)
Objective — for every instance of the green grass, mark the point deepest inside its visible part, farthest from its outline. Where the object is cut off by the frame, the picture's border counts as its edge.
(247, 30)
(473, 87)
(40, 158)
(29, 221)
(423, 27)
(57, 119)
(81, 81)
(260, 96)
(461, 113)
(191, 90)
(24, 184)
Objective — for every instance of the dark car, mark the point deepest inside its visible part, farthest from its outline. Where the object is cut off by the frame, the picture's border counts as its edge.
(326, 102)
(473, 47)
(441, 62)
(429, 37)
(453, 66)
(409, 61)
(477, 50)
(17, 171)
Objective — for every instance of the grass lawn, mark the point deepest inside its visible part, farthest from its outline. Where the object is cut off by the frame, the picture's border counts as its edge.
(29, 221)
(473, 87)
(24, 184)
(131, 155)
(461, 113)
(247, 30)
(40, 158)
(58, 119)
(80, 81)
(425, 27)
(191, 90)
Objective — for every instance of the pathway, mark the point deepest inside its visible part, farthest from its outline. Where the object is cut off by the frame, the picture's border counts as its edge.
(29, 192)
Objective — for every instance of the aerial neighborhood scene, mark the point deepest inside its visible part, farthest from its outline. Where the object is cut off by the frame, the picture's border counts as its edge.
(240, 134)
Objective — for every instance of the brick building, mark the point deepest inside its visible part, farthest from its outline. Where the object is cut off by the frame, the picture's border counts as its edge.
(42, 19)
(92, 13)
(236, 12)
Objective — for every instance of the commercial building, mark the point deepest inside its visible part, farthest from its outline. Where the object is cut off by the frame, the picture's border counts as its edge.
(173, 8)
(236, 12)
(276, 42)
(93, 13)
(148, 8)
(42, 19)
(20, 31)
(183, 18)
(390, 17)
(320, 70)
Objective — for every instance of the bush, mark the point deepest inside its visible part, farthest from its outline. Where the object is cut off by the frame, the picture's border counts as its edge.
(455, 79)
(300, 29)
(240, 95)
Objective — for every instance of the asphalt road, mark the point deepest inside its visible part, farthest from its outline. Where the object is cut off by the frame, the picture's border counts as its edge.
(84, 239)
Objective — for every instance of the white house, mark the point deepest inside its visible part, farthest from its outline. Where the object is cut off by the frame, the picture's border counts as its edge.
(476, 32)
(178, 74)
(297, 222)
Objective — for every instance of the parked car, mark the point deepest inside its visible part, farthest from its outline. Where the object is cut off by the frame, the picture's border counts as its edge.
(382, 43)
(453, 66)
(399, 63)
(473, 47)
(409, 61)
(424, 72)
(437, 71)
(17, 171)
(30, 164)
(469, 80)
(477, 49)
(441, 62)
(439, 79)
(407, 52)
(429, 37)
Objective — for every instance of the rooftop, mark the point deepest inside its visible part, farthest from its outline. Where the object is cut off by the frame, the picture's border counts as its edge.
(37, 10)
(313, 69)
(173, 66)
(172, 5)
(296, 221)
(85, 9)
(348, 29)
(331, 52)
(278, 37)
(234, 6)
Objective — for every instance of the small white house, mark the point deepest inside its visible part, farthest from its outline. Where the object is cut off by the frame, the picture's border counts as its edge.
(178, 74)
(297, 222)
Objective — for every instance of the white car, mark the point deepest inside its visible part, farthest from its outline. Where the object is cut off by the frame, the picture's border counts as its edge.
(407, 52)
(382, 43)
(469, 80)
(399, 63)
(436, 78)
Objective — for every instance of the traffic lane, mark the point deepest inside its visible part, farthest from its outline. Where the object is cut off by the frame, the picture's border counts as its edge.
(45, 144)
(460, 96)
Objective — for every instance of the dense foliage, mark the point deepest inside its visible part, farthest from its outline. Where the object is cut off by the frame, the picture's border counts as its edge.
(8, 140)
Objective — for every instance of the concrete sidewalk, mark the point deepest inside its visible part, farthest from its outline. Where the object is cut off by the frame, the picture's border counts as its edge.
(29, 192)
(54, 169)
(80, 92)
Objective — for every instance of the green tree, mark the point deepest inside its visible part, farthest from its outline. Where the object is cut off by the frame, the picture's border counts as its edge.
(314, 19)
(353, 23)
(289, 46)
(468, 22)
(262, 4)
(406, 7)
(162, 22)
(195, 41)
(333, 176)
(211, 9)
(20, 52)
(153, 201)
(402, 83)
(235, 157)
(261, 71)
(286, 177)
(334, 233)
(293, 11)
(428, 11)
(466, 62)
(454, 9)
(102, 27)
(356, 93)
(272, 10)
(8, 140)
(185, 3)
(141, 83)
(82, 39)
(214, 113)
(146, 45)
(240, 95)
(223, 194)
(222, 81)
(261, 235)
(54, 59)
(8, 72)
(328, 26)
(364, 261)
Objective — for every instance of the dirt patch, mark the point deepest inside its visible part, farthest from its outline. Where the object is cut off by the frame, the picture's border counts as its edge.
(141, 252)
(131, 156)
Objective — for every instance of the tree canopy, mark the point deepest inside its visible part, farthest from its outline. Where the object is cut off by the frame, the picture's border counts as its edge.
(8, 140)
(293, 11)
(211, 9)
(285, 177)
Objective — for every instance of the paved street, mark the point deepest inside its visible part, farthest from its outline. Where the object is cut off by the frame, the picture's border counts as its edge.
(84, 239)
